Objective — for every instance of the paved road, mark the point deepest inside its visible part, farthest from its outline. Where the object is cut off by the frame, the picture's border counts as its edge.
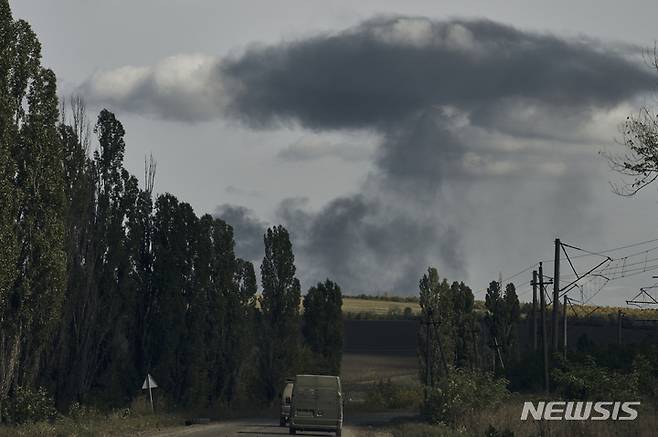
(358, 426)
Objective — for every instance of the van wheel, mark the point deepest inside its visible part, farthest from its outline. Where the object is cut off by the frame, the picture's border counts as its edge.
(282, 421)
(292, 431)
(339, 432)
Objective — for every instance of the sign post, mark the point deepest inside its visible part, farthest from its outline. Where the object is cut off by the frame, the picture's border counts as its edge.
(149, 384)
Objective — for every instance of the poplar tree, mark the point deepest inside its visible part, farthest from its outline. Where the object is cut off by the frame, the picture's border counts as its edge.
(503, 316)
(279, 305)
(323, 324)
(437, 326)
(32, 264)
(464, 324)
(174, 248)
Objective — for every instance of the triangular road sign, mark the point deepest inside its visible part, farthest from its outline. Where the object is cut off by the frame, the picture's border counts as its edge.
(149, 382)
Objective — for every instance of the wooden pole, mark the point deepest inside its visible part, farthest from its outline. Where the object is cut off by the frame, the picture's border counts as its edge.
(500, 356)
(556, 296)
(564, 328)
(148, 384)
(542, 301)
(443, 357)
(534, 310)
(428, 354)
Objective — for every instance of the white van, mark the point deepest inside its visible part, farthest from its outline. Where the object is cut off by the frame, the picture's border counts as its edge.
(286, 402)
(317, 404)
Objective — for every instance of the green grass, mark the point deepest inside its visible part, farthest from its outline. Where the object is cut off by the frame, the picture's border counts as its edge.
(118, 423)
(379, 306)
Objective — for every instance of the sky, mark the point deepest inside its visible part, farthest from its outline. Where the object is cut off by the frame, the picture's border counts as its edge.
(387, 136)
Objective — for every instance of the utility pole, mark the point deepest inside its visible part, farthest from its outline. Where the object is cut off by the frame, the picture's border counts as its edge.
(443, 357)
(620, 317)
(429, 374)
(543, 325)
(556, 294)
(428, 354)
(564, 328)
(500, 356)
(475, 347)
(534, 310)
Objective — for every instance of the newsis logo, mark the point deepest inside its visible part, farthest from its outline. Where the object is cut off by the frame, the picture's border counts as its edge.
(572, 410)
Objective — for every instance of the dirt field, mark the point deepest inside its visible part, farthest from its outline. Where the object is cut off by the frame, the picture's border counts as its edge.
(360, 369)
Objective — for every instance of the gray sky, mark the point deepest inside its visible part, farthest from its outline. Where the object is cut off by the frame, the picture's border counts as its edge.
(384, 144)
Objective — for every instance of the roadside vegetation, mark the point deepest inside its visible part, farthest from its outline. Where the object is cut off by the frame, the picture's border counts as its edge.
(503, 421)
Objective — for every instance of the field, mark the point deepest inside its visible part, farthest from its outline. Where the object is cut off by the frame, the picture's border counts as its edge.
(378, 307)
(359, 369)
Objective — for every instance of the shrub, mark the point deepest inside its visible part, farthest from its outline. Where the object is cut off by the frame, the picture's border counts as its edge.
(78, 412)
(589, 381)
(422, 430)
(527, 374)
(645, 375)
(386, 394)
(493, 432)
(30, 406)
(463, 393)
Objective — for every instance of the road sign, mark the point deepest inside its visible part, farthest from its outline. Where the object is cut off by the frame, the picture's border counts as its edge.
(149, 382)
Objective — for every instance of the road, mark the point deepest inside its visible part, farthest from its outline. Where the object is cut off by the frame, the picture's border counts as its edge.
(356, 427)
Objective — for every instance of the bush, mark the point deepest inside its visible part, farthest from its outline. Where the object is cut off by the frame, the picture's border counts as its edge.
(79, 412)
(422, 430)
(589, 381)
(386, 394)
(493, 432)
(30, 406)
(527, 374)
(463, 393)
(646, 377)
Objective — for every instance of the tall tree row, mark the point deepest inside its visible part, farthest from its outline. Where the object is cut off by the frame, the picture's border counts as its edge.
(279, 341)
(102, 282)
(323, 324)
(32, 261)
(447, 337)
(504, 313)
(152, 287)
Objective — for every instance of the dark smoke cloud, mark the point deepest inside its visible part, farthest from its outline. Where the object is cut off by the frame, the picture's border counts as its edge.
(455, 104)
(247, 230)
(362, 243)
(424, 87)
(385, 70)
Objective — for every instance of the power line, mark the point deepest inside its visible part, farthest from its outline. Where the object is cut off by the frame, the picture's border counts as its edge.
(607, 273)
(614, 249)
(520, 273)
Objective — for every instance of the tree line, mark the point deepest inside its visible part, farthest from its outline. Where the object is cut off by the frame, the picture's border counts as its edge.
(102, 281)
(452, 332)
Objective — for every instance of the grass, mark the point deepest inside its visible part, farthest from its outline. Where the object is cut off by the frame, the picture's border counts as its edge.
(378, 307)
(381, 307)
(360, 369)
(507, 417)
(602, 312)
(118, 423)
